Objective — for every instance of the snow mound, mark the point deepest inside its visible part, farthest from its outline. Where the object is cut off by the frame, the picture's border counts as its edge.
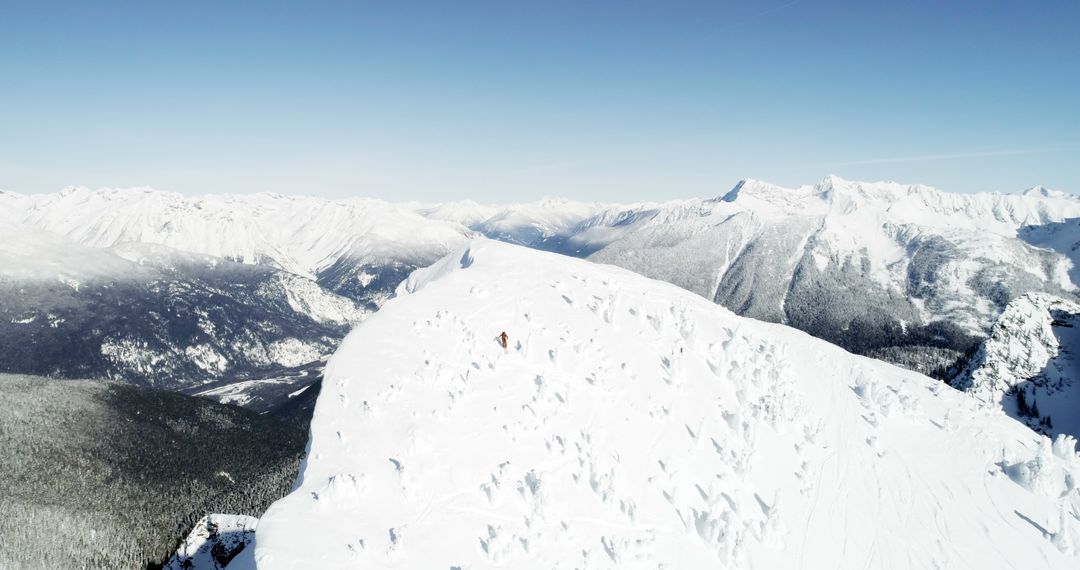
(632, 424)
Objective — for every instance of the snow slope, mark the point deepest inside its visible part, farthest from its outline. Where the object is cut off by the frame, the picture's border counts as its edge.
(1031, 351)
(631, 424)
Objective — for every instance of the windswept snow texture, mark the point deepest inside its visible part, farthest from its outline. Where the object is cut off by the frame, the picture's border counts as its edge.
(630, 424)
(1029, 364)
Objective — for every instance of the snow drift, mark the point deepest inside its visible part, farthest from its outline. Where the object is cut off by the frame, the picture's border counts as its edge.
(633, 424)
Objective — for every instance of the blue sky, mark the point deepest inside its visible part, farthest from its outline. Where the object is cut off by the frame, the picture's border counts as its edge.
(510, 100)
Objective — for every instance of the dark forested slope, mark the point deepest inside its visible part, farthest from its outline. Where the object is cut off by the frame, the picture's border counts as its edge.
(104, 475)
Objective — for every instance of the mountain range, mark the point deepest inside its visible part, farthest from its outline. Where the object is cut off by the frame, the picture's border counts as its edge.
(189, 290)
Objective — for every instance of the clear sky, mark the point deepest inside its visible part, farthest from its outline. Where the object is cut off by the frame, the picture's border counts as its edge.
(511, 100)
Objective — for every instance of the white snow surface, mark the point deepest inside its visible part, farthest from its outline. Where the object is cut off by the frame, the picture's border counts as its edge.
(631, 424)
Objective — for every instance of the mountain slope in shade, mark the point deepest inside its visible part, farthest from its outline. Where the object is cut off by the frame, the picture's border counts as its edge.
(630, 424)
(1029, 364)
(154, 316)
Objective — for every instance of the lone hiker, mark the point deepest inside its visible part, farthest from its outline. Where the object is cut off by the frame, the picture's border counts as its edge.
(502, 339)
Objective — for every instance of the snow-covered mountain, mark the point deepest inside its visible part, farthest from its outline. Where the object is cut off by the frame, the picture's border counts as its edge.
(910, 274)
(155, 316)
(1029, 364)
(631, 424)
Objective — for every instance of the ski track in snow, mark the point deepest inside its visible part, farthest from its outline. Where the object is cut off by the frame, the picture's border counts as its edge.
(632, 424)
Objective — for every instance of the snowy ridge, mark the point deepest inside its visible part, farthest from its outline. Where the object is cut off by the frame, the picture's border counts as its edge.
(630, 424)
(1030, 351)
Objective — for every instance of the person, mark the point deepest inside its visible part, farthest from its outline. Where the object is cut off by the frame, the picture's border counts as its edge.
(503, 338)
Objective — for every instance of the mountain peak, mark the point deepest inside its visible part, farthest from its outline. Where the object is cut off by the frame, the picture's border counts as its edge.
(750, 186)
(832, 180)
(1044, 192)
